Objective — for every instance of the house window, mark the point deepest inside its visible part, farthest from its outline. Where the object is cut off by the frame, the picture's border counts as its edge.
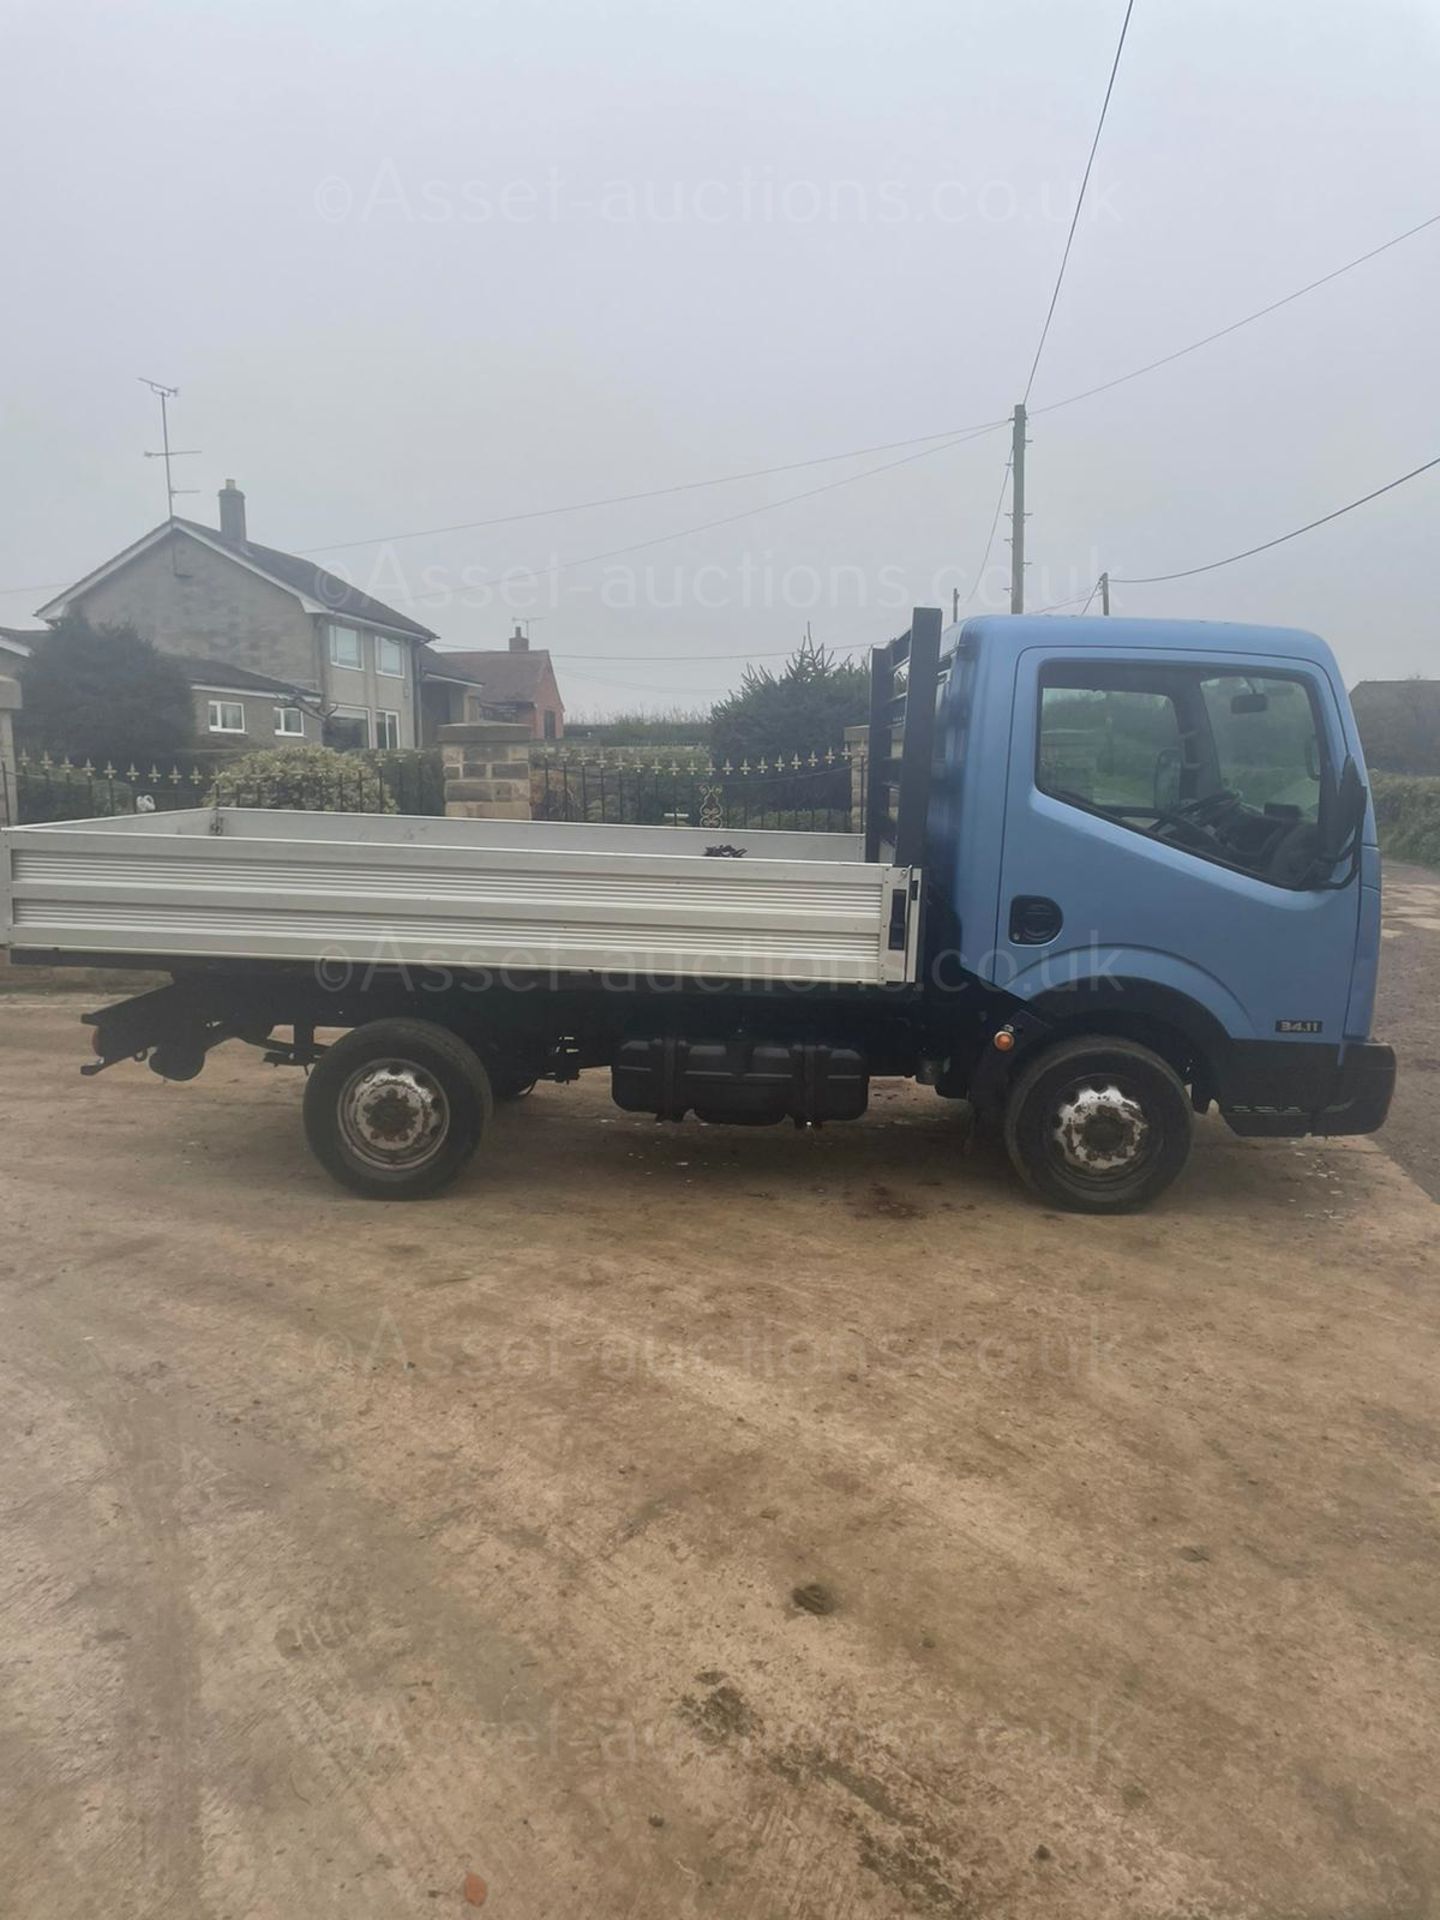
(389, 657)
(290, 720)
(227, 716)
(346, 648)
(347, 727)
(549, 723)
(387, 729)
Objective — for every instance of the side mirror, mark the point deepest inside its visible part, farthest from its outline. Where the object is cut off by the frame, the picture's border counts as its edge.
(1343, 818)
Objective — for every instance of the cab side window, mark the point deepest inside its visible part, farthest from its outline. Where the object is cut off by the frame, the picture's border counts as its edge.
(1224, 765)
(1266, 749)
(1108, 746)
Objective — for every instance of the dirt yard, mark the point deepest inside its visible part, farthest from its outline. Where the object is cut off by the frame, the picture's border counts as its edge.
(352, 1550)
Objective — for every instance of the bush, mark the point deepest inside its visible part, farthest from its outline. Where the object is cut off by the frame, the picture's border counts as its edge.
(1399, 722)
(1407, 813)
(307, 779)
(412, 776)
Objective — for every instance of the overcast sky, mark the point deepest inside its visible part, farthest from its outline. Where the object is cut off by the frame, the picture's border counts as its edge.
(424, 263)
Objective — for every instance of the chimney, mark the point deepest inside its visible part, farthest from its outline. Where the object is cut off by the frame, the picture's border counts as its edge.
(519, 642)
(232, 512)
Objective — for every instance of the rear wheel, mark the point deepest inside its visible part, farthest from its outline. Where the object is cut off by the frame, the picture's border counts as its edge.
(1098, 1124)
(396, 1108)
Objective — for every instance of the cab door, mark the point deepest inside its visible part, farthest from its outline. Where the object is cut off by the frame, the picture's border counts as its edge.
(1101, 745)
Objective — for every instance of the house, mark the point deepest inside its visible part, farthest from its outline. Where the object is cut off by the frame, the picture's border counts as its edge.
(1399, 722)
(518, 684)
(276, 648)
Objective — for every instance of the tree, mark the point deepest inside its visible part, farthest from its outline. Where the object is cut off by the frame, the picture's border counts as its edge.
(805, 708)
(104, 694)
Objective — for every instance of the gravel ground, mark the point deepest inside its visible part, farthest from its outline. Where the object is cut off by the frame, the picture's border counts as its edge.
(1408, 1016)
(353, 1550)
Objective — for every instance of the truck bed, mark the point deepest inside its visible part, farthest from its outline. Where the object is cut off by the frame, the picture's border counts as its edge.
(374, 889)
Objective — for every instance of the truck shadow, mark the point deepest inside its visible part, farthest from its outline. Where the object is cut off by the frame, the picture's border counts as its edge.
(911, 1156)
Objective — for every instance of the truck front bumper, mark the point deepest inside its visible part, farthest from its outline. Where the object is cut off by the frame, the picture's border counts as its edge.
(1271, 1089)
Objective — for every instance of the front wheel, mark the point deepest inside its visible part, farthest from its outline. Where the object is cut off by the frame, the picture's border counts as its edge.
(1098, 1125)
(396, 1108)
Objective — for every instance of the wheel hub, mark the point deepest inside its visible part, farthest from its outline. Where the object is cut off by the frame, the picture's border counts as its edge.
(1100, 1129)
(394, 1114)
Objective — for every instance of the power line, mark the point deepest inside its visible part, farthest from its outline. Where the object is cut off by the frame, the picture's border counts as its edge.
(1057, 605)
(656, 493)
(1080, 196)
(1130, 580)
(1260, 313)
(1186, 573)
(679, 660)
(757, 473)
(926, 442)
(884, 446)
(705, 526)
(655, 693)
(990, 541)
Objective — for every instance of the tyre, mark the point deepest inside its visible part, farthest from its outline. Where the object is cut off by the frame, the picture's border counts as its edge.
(396, 1108)
(1098, 1124)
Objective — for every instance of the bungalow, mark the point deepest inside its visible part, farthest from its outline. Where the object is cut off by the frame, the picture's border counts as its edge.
(519, 684)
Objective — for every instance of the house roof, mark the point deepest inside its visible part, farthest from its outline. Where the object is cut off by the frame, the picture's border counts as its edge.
(441, 666)
(505, 676)
(21, 639)
(222, 675)
(318, 590)
(307, 577)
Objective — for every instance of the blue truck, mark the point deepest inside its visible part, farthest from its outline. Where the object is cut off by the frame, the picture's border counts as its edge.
(1113, 873)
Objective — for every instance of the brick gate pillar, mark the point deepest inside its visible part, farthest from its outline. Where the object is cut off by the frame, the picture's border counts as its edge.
(487, 770)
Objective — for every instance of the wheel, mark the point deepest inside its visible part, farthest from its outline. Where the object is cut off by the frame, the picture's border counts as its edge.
(396, 1108)
(1098, 1124)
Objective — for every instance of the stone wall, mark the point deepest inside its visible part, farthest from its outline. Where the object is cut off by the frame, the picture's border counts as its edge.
(487, 770)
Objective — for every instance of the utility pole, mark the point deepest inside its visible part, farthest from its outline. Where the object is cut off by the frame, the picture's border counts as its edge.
(1105, 593)
(954, 605)
(166, 452)
(1017, 513)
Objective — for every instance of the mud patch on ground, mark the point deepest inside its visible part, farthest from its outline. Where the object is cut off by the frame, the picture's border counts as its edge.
(880, 1202)
(722, 1716)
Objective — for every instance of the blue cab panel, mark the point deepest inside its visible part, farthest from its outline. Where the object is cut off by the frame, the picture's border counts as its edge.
(1139, 801)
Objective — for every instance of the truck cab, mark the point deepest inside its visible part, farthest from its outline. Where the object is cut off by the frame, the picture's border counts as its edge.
(1160, 830)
